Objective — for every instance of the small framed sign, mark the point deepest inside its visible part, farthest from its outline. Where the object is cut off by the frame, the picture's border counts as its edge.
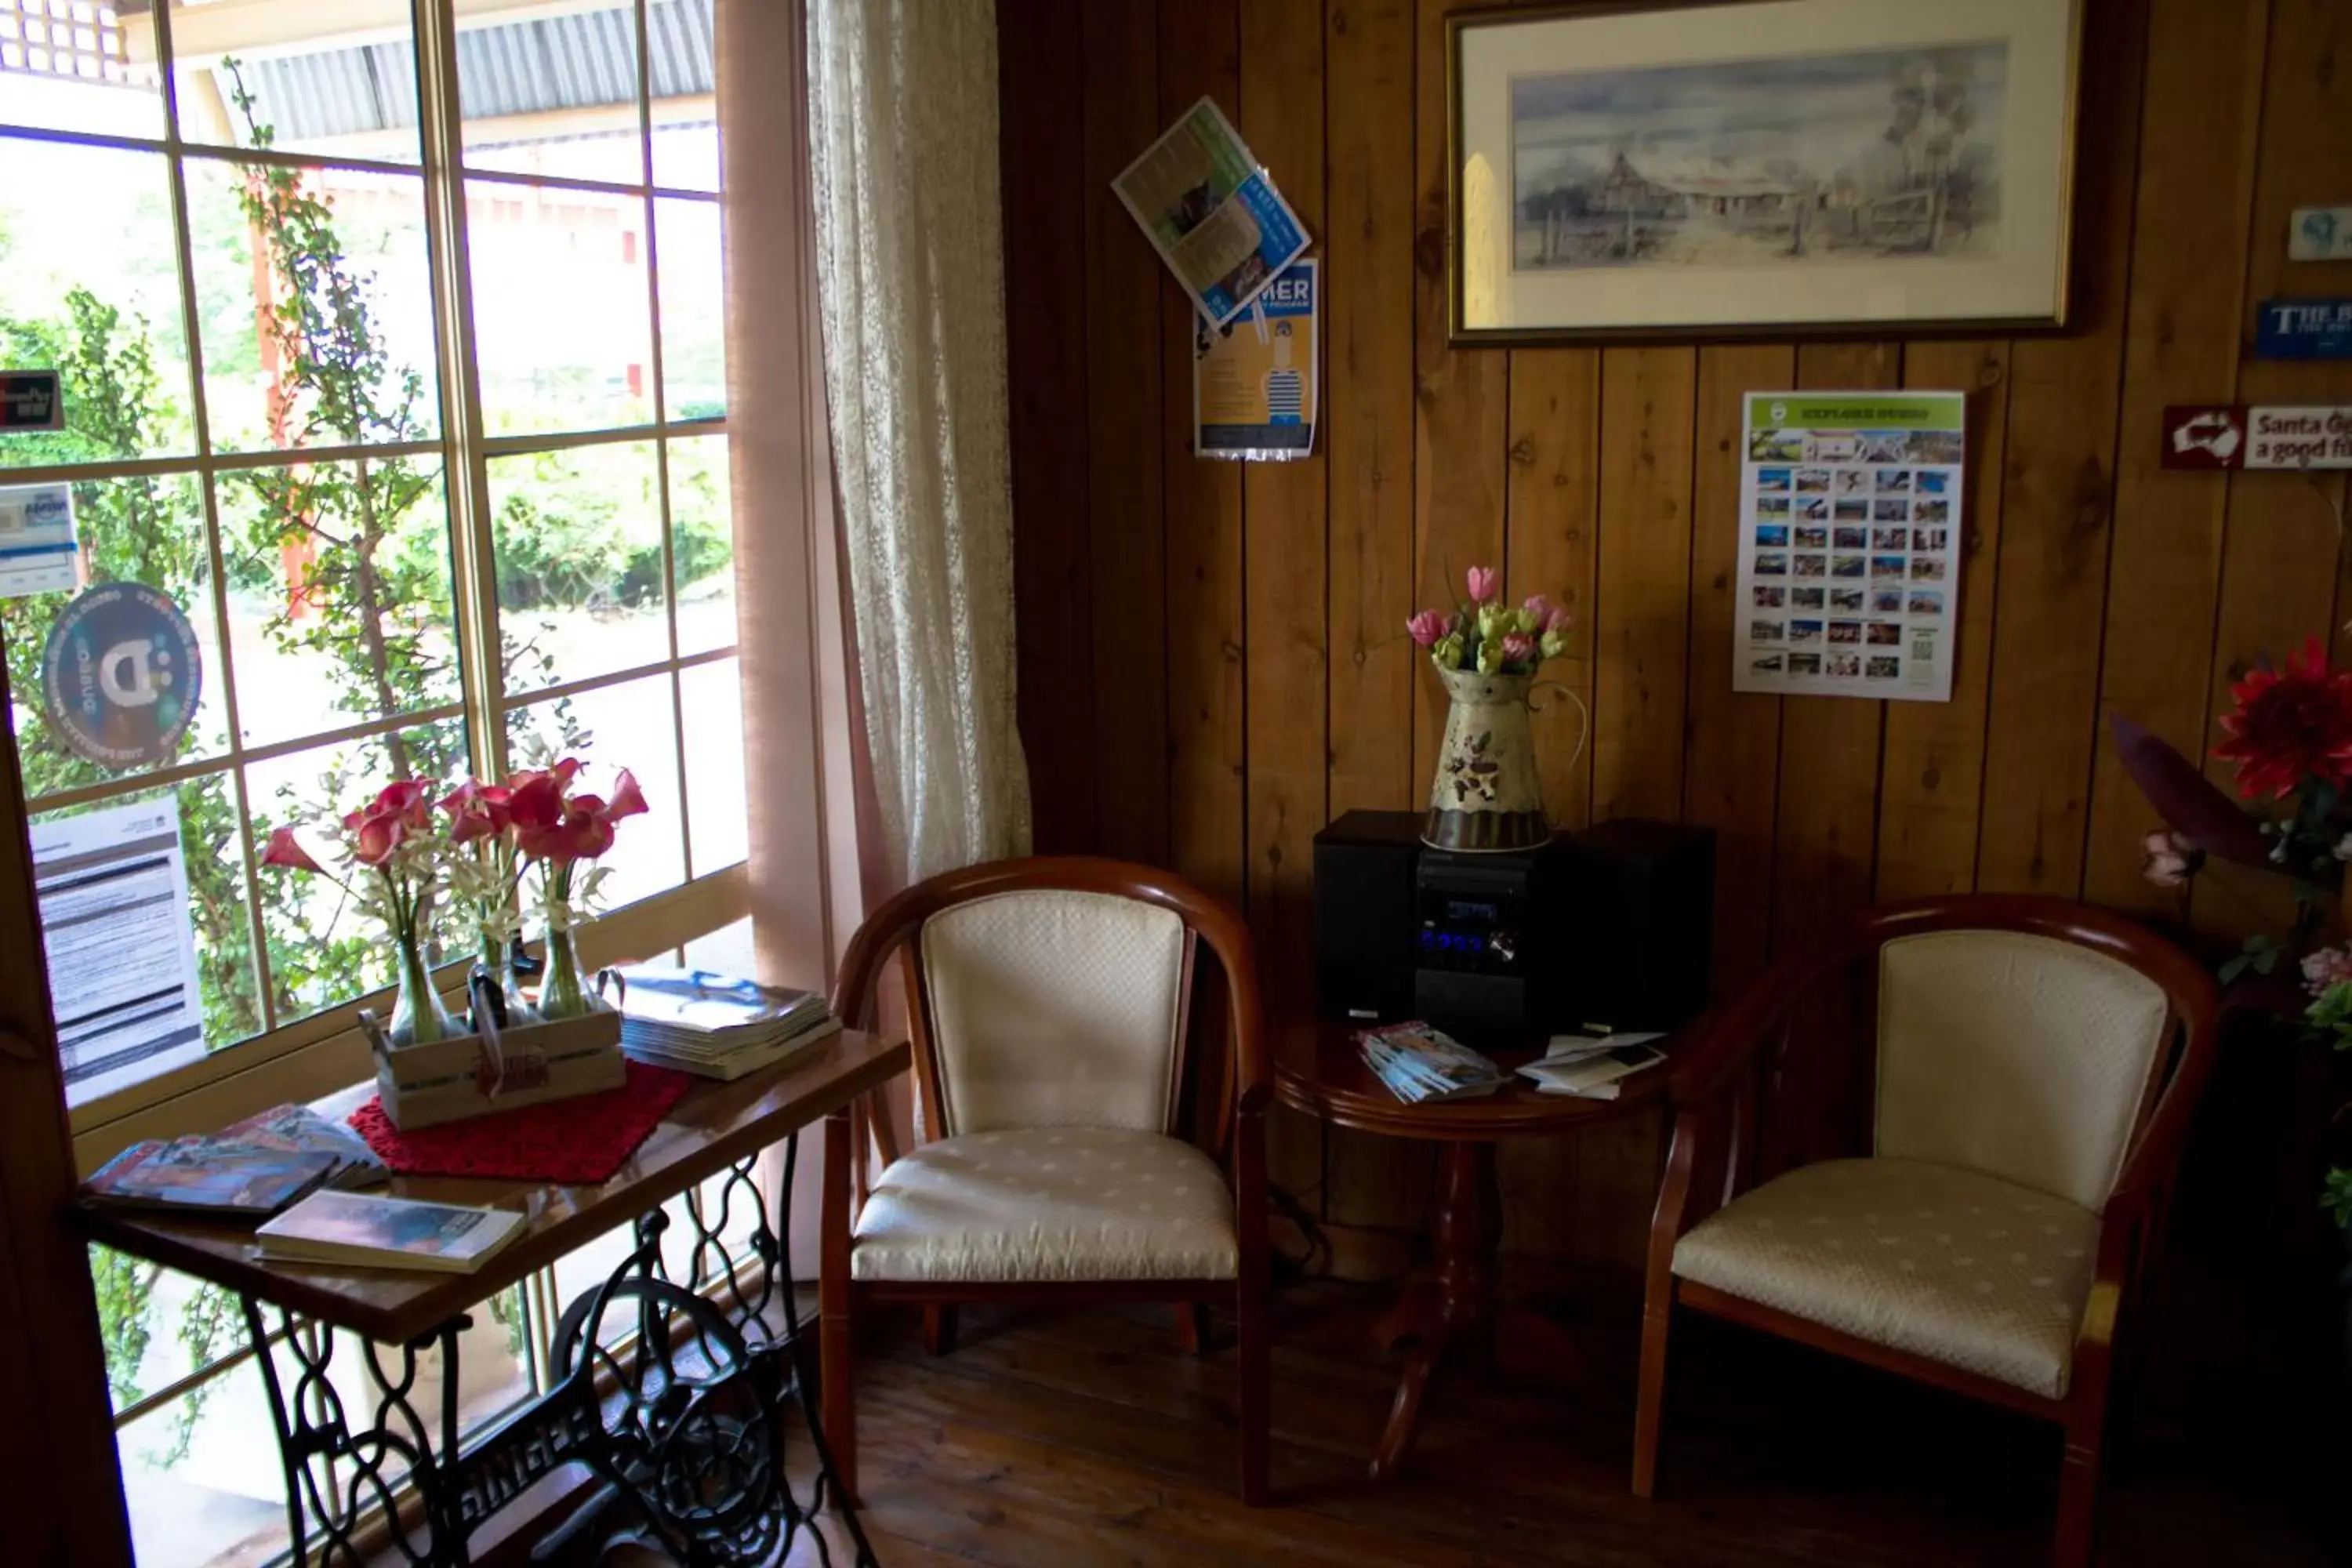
(31, 400)
(2303, 328)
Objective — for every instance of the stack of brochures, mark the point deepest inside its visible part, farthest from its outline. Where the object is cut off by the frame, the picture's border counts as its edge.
(716, 1024)
(249, 1171)
(368, 1232)
(1420, 1065)
(1591, 1067)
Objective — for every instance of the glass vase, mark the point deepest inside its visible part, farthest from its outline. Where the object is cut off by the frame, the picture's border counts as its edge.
(493, 978)
(418, 1018)
(561, 992)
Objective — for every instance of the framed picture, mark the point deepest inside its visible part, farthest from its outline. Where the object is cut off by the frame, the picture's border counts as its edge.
(1760, 168)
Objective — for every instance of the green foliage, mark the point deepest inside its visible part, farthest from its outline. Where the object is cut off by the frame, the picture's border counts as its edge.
(2336, 1195)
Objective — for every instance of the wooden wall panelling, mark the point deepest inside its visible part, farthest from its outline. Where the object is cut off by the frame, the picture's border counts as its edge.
(1126, 559)
(1045, 321)
(1198, 42)
(2280, 551)
(1552, 549)
(1462, 398)
(2199, 125)
(1285, 547)
(1826, 833)
(2057, 501)
(1732, 751)
(1367, 245)
(1642, 603)
(1931, 773)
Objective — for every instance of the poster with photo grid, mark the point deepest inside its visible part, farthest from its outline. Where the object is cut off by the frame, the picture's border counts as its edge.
(1849, 511)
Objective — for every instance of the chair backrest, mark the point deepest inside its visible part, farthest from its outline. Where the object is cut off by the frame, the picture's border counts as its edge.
(2022, 1055)
(1055, 1008)
(1058, 991)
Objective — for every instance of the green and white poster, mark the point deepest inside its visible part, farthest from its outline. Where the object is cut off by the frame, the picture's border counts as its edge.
(1849, 508)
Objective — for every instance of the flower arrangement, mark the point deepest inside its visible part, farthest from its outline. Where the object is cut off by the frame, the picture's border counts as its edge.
(2289, 732)
(1482, 633)
(480, 843)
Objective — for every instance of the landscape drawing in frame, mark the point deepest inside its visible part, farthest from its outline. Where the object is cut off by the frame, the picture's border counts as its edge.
(1765, 168)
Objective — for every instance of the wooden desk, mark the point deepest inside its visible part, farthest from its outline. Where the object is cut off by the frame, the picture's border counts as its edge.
(1319, 1070)
(600, 1408)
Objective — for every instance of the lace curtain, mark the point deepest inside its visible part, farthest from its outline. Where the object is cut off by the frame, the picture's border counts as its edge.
(911, 280)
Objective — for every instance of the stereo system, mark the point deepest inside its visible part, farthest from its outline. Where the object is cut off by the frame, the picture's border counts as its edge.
(1605, 929)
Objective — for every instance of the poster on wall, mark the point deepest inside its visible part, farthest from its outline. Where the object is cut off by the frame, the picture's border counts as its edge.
(1254, 379)
(1849, 508)
(1211, 210)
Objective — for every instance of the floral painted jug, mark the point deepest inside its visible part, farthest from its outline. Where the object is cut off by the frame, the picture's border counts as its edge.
(1486, 796)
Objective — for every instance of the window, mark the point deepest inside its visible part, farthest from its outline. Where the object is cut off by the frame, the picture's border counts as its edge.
(397, 372)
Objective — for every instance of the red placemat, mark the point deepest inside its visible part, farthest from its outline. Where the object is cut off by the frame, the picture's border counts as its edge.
(579, 1140)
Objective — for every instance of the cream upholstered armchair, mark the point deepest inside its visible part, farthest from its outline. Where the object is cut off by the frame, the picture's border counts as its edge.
(1083, 1144)
(2027, 1068)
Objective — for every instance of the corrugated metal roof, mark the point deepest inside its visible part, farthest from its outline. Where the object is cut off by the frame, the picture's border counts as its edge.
(578, 60)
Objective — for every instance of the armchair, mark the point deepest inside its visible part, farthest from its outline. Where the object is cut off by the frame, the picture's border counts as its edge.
(2027, 1071)
(1052, 1018)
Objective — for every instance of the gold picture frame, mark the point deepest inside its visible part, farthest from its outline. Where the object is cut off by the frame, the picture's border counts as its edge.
(1682, 171)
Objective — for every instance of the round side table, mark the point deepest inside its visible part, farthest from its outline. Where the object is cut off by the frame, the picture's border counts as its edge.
(1318, 1071)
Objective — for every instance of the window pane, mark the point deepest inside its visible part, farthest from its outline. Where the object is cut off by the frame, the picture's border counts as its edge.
(610, 728)
(561, 324)
(685, 107)
(314, 86)
(693, 282)
(578, 538)
(346, 359)
(108, 314)
(554, 95)
(338, 593)
(703, 540)
(322, 950)
(87, 69)
(119, 985)
(143, 531)
(711, 703)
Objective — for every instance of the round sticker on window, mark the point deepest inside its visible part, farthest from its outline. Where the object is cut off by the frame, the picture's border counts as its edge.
(122, 676)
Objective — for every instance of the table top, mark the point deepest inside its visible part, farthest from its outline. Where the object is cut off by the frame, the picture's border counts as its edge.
(1319, 1070)
(713, 1126)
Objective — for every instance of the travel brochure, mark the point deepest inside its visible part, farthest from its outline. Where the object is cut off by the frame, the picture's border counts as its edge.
(249, 1171)
(1590, 1066)
(1850, 521)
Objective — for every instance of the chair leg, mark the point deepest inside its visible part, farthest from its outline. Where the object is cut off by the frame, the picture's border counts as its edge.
(1192, 1327)
(836, 1320)
(1256, 1391)
(938, 1329)
(2078, 1491)
(1650, 1411)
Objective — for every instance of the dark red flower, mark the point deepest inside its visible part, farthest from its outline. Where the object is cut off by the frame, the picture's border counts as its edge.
(2290, 726)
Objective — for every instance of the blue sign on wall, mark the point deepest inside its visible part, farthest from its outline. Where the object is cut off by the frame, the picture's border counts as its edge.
(2303, 328)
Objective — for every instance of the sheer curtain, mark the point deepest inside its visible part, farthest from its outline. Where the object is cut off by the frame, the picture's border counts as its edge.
(910, 278)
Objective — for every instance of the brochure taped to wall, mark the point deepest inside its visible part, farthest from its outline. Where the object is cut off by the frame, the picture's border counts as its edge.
(1211, 212)
(1850, 528)
(1254, 380)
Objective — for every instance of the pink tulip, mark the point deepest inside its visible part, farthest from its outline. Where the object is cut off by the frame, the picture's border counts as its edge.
(1559, 621)
(1483, 583)
(1538, 609)
(1426, 627)
(1519, 649)
(285, 849)
(2167, 859)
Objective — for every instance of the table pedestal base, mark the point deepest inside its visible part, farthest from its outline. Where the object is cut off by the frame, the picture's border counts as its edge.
(1458, 1308)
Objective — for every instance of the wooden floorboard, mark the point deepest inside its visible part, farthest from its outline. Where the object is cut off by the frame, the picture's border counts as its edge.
(1089, 1438)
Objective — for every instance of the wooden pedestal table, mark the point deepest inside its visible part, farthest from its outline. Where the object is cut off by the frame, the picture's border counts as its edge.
(1319, 1071)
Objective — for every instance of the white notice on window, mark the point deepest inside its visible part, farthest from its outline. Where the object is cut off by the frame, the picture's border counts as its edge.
(37, 552)
(113, 888)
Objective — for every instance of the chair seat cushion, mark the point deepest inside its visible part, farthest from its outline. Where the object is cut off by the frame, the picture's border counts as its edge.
(1962, 1268)
(1048, 1204)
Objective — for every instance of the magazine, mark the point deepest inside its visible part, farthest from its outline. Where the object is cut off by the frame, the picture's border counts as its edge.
(716, 1024)
(388, 1233)
(196, 1176)
(1420, 1064)
(297, 1128)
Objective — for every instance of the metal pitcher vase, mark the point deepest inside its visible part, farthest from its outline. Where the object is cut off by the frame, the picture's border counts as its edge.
(1485, 795)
